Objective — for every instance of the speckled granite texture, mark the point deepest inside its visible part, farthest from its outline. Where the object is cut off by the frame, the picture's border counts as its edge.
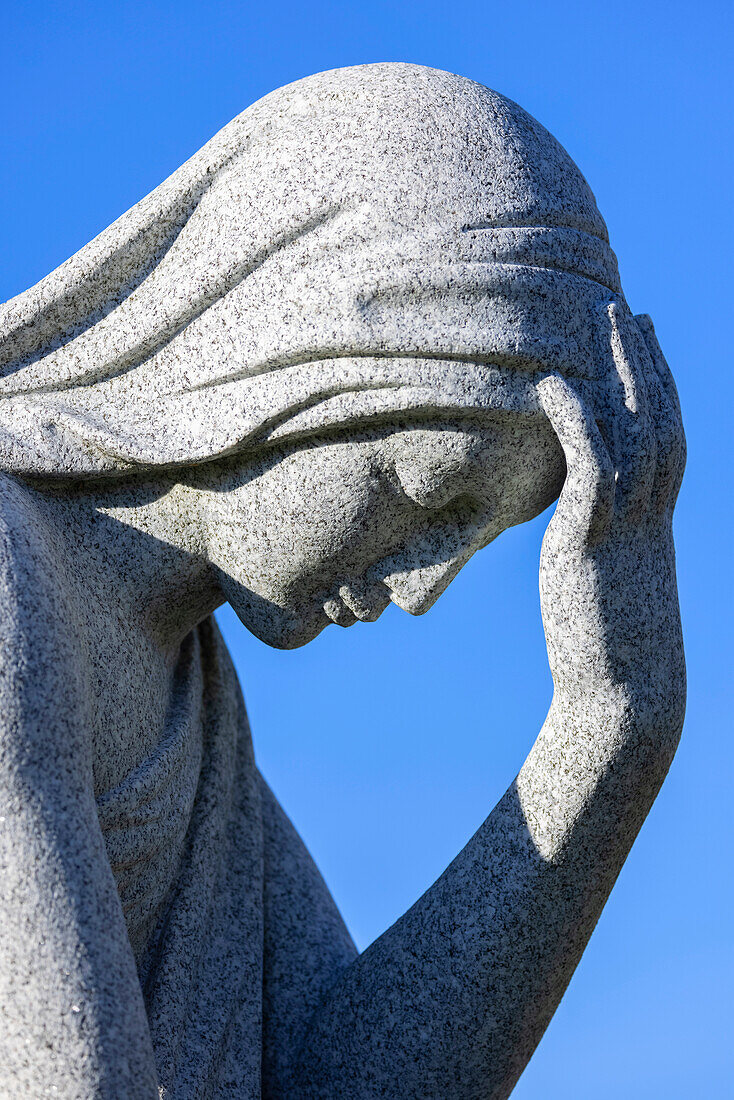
(369, 326)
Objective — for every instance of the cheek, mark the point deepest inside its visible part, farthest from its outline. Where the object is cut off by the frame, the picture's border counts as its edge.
(321, 519)
(304, 522)
(532, 475)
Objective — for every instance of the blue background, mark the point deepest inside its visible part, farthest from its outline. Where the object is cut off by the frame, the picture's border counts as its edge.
(388, 744)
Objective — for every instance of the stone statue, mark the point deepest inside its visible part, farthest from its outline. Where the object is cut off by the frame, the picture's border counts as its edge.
(371, 324)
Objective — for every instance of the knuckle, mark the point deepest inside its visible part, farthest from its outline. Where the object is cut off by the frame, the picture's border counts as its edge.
(603, 472)
(637, 461)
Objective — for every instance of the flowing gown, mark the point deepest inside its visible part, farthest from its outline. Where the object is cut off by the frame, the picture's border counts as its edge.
(235, 934)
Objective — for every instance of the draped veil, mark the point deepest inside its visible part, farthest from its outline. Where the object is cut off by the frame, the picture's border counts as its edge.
(317, 263)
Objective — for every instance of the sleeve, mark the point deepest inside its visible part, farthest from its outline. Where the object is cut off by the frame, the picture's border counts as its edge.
(307, 945)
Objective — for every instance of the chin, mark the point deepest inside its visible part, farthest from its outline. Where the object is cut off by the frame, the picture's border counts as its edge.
(276, 626)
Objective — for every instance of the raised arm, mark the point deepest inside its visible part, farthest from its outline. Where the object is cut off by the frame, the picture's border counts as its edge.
(72, 1020)
(452, 1000)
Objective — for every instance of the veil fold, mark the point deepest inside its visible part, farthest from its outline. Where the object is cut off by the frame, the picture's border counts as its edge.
(368, 242)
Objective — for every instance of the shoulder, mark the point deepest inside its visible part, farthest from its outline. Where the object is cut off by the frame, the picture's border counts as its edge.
(38, 640)
(21, 519)
(30, 562)
(30, 549)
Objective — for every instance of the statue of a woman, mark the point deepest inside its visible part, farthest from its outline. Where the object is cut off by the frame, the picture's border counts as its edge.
(370, 325)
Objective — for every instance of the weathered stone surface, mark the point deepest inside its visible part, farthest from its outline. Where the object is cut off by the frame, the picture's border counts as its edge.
(369, 326)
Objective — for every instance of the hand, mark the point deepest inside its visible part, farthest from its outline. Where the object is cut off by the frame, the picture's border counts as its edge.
(607, 569)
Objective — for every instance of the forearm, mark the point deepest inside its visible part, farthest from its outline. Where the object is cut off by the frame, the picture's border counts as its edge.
(592, 776)
(453, 999)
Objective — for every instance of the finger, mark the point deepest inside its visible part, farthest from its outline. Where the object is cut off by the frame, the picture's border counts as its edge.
(587, 499)
(665, 422)
(678, 476)
(667, 447)
(671, 436)
(630, 427)
(647, 328)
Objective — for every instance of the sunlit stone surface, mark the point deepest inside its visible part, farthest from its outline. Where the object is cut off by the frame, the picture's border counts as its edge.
(370, 325)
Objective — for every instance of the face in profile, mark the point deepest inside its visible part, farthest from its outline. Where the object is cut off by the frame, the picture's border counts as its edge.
(333, 530)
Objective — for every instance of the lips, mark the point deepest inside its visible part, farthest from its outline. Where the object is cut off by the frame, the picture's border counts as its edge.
(350, 605)
(338, 611)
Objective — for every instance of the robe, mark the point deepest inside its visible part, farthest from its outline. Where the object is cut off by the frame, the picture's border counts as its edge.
(234, 931)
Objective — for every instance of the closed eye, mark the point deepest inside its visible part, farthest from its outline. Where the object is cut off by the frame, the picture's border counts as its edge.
(460, 513)
(439, 500)
(441, 497)
(431, 493)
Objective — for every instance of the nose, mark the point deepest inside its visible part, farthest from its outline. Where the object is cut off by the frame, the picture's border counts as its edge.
(415, 590)
(417, 580)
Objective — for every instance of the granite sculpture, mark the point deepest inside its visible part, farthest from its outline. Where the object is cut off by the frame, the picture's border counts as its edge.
(374, 322)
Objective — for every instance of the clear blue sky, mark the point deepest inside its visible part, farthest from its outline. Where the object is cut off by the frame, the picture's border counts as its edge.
(389, 743)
